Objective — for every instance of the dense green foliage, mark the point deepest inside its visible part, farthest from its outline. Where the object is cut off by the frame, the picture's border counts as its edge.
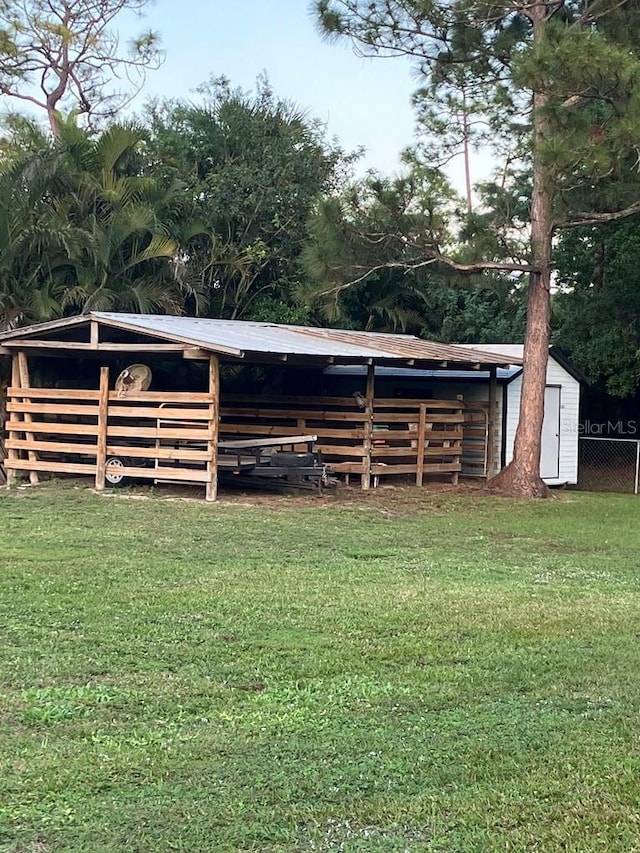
(405, 672)
(597, 312)
(82, 229)
(204, 210)
(254, 167)
(366, 267)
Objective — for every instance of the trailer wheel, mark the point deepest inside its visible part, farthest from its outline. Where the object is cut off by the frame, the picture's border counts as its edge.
(113, 475)
(289, 459)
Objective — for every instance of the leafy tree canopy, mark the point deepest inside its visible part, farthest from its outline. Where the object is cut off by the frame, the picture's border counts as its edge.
(366, 265)
(597, 309)
(81, 228)
(553, 86)
(254, 166)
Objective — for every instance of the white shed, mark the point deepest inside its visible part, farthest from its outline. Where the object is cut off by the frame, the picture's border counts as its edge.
(559, 461)
(560, 428)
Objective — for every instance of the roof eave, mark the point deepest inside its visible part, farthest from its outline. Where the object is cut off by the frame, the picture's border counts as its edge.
(50, 325)
(374, 352)
(191, 342)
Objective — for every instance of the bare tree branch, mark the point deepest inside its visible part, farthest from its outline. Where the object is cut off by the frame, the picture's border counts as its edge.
(68, 50)
(408, 267)
(581, 219)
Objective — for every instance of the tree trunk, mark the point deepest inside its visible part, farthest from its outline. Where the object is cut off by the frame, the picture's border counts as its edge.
(54, 123)
(522, 475)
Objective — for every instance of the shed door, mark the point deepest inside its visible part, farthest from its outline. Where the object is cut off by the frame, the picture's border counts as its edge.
(550, 453)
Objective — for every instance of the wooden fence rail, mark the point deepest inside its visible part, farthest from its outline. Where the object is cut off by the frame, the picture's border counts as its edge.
(3, 419)
(171, 436)
(75, 432)
(419, 437)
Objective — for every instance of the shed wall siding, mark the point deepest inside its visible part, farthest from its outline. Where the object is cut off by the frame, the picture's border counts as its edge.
(569, 420)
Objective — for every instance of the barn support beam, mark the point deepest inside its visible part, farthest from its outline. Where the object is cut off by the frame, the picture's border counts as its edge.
(12, 454)
(103, 418)
(368, 426)
(213, 429)
(421, 444)
(491, 422)
(25, 384)
(4, 384)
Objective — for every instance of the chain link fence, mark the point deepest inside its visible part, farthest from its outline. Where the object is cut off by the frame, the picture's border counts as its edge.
(609, 464)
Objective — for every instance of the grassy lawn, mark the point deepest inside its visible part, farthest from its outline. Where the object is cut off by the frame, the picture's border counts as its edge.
(400, 672)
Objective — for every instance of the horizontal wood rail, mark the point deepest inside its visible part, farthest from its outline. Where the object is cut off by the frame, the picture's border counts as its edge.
(398, 436)
(53, 393)
(171, 436)
(475, 440)
(70, 431)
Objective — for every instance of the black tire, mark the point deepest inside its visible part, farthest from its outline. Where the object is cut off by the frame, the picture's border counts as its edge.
(112, 477)
(289, 459)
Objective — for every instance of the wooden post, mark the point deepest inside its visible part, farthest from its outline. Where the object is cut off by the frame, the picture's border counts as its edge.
(301, 426)
(25, 383)
(491, 423)
(94, 334)
(13, 455)
(422, 435)
(3, 419)
(103, 419)
(455, 475)
(368, 428)
(213, 428)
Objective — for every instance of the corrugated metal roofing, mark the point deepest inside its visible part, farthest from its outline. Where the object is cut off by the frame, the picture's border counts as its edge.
(236, 337)
(276, 338)
(515, 352)
(503, 374)
(510, 350)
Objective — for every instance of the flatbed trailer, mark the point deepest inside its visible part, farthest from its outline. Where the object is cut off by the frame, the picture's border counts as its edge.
(252, 461)
(283, 462)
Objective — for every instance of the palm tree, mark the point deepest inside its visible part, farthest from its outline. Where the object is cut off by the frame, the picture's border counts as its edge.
(31, 243)
(127, 225)
(81, 228)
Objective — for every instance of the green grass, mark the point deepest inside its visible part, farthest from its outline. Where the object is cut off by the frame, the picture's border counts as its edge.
(400, 672)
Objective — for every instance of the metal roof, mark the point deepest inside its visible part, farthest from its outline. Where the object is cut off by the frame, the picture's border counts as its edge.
(243, 338)
(515, 355)
(503, 374)
(514, 351)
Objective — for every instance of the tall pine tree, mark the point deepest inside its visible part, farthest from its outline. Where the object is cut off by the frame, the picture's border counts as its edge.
(555, 86)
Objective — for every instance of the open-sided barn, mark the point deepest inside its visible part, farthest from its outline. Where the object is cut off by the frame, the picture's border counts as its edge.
(187, 427)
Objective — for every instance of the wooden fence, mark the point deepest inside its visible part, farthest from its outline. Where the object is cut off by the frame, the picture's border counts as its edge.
(475, 440)
(3, 418)
(74, 431)
(414, 437)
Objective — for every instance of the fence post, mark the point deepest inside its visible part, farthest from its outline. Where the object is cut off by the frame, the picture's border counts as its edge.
(422, 437)
(213, 428)
(368, 429)
(4, 398)
(101, 432)
(491, 422)
(637, 466)
(25, 382)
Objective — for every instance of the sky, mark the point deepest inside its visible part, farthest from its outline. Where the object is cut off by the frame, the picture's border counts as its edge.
(364, 102)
